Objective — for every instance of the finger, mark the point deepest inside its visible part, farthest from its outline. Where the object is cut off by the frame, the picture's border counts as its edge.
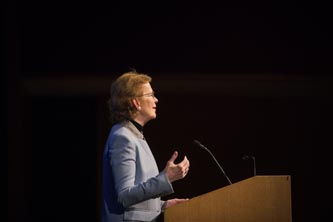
(183, 200)
(173, 157)
(185, 172)
(185, 163)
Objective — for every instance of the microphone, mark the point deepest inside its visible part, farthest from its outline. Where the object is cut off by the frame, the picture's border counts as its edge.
(247, 157)
(196, 142)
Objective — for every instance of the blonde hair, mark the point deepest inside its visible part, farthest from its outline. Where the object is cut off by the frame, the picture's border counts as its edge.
(122, 91)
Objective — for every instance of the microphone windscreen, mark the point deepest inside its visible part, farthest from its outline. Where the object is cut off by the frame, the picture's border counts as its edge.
(196, 142)
(245, 157)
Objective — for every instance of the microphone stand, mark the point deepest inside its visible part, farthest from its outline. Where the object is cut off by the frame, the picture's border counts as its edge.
(246, 157)
(199, 144)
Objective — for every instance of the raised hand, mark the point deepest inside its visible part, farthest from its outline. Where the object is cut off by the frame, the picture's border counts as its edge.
(176, 171)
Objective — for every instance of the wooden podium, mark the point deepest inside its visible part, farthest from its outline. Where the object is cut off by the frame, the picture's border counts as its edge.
(256, 199)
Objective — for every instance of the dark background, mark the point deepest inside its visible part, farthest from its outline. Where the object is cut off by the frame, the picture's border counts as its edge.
(242, 78)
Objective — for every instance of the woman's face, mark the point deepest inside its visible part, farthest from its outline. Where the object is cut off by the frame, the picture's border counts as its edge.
(146, 105)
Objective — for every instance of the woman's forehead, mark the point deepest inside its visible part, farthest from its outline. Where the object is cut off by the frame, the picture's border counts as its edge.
(146, 87)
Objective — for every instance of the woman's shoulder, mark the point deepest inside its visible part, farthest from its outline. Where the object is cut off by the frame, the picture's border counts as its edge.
(121, 126)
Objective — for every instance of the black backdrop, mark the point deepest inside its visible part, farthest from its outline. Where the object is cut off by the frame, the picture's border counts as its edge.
(242, 79)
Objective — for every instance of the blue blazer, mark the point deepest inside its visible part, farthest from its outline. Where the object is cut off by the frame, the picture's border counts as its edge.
(132, 183)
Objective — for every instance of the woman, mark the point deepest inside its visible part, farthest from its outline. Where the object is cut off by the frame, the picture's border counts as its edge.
(132, 183)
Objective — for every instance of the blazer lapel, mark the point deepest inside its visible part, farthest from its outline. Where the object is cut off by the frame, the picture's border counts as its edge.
(133, 129)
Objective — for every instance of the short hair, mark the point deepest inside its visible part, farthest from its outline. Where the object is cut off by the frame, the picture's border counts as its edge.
(122, 91)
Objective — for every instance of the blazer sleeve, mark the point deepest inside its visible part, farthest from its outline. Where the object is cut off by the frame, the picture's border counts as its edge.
(123, 161)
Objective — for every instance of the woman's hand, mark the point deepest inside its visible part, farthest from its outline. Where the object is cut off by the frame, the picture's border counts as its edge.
(176, 171)
(173, 202)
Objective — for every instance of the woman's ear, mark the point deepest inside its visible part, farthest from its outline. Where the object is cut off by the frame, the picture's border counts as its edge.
(136, 103)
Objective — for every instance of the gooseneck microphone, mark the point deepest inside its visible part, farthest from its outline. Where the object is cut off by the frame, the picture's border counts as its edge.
(196, 142)
(247, 157)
